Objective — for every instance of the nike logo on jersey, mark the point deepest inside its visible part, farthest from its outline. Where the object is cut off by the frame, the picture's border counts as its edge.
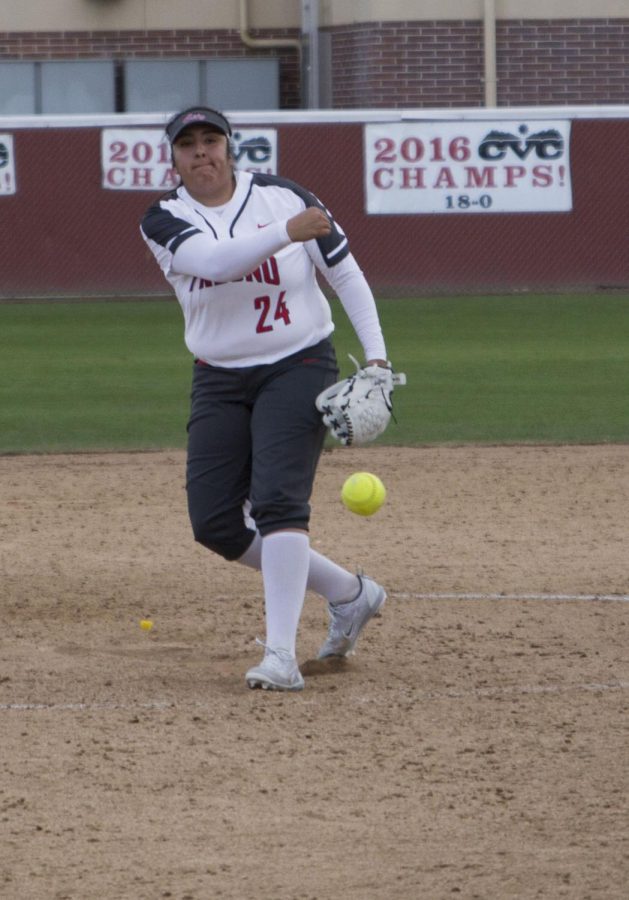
(265, 225)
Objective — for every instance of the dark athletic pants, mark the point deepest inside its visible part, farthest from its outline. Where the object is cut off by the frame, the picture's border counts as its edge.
(255, 434)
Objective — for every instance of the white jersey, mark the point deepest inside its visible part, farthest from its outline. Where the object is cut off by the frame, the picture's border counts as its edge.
(248, 294)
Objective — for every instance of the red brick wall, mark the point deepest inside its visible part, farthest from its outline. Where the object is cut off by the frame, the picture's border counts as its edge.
(440, 64)
(398, 64)
(569, 62)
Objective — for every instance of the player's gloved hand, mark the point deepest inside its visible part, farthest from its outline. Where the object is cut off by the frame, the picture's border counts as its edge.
(358, 409)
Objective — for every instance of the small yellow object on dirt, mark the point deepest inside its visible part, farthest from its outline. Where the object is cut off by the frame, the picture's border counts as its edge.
(146, 624)
(363, 493)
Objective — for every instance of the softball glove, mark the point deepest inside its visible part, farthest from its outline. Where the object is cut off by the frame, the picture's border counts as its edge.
(358, 409)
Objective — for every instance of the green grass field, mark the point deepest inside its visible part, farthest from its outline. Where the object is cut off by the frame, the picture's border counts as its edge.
(501, 369)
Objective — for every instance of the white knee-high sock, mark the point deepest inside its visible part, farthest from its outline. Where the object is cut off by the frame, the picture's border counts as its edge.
(330, 580)
(284, 560)
(325, 577)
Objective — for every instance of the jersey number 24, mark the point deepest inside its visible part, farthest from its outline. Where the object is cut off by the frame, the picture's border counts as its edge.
(280, 313)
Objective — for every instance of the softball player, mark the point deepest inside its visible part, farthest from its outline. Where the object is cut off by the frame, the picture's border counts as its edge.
(241, 252)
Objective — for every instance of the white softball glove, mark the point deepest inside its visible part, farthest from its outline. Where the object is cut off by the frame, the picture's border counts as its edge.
(358, 409)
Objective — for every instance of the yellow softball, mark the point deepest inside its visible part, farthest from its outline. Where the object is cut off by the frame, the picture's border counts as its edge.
(363, 493)
(146, 624)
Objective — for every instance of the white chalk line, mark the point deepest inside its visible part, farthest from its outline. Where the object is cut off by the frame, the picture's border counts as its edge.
(604, 598)
(421, 694)
(510, 690)
(87, 707)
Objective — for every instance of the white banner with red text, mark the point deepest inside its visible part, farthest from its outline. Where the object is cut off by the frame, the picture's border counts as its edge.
(463, 166)
(138, 159)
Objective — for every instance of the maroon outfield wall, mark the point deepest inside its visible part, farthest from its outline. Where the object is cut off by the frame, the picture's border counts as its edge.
(64, 235)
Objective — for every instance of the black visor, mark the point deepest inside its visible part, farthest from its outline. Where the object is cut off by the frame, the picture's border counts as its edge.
(197, 116)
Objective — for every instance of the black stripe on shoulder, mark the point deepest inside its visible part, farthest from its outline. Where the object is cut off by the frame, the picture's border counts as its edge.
(279, 181)
(335, 246)
(166, 229)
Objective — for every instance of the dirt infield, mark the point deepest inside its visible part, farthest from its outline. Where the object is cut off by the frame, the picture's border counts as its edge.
(476, 746)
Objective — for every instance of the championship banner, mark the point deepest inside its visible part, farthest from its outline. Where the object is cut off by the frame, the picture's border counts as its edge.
(468, 167)
(138, 159)
(7, 166)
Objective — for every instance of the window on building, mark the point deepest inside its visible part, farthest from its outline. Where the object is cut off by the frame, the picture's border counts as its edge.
(138, 85)
(78, 87)
(242, 83)
(18, 88)
(73, 86)
(164, 85)
(160, 85)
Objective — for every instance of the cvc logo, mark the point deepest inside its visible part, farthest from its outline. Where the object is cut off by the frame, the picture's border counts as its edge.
(254, 149)
(547, 144)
